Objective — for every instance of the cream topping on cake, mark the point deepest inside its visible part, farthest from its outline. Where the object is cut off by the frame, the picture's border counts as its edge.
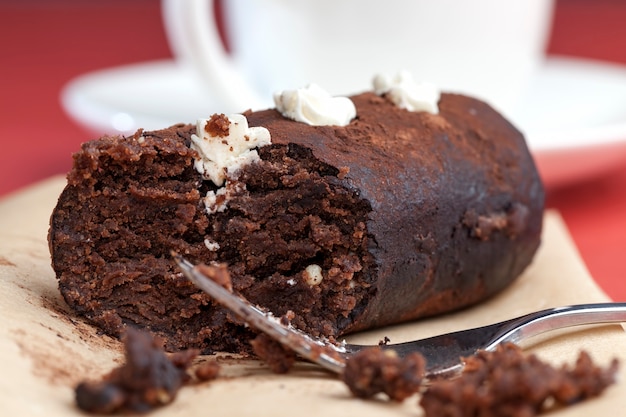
(407, 94)
(225, 144)
(314, 106)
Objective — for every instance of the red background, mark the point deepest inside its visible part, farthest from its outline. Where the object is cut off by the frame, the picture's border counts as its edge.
(44, 44)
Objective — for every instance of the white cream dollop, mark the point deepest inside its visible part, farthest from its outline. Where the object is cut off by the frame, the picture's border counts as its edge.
(407, 94)
(220, 154)
(314, 106)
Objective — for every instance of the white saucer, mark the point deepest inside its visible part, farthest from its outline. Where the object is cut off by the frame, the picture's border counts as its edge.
(573, 113)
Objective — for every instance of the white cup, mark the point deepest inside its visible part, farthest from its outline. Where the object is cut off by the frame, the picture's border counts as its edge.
(485, 48)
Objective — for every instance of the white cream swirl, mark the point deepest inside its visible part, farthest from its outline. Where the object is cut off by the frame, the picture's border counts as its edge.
(314, 106)
(405, 93)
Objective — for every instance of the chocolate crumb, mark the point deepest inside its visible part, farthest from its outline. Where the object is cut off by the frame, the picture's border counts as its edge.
(99, 397)
(218, 125)
(375, 370)
(138, 134)
(285, 319)
(207, 371)
(217, 273)
(148, 379)
(278, 358)
(508, 383)
(384, 342)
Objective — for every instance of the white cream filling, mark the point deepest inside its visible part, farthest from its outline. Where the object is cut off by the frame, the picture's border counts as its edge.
(221, 154)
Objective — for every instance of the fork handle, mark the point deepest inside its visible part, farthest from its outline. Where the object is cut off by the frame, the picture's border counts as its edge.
(557, 318)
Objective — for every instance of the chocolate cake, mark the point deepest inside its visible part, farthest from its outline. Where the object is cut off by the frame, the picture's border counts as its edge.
(395, 216)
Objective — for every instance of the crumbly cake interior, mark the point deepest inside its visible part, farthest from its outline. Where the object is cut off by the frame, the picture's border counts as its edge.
(141, 198)
(295, 213)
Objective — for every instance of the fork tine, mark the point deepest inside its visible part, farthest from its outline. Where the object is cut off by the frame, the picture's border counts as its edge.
(326, 355)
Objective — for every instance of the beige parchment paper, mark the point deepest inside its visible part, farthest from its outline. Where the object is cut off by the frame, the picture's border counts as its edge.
(45, 349)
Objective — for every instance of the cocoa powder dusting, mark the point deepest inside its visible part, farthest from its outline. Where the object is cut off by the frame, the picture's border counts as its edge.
(5, 262)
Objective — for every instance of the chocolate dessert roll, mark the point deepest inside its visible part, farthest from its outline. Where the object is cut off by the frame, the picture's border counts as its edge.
(395, 216)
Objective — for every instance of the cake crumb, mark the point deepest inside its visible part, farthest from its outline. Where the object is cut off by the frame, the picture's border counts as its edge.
(343, 171)
(278, 358)
(218, 273)
(375, 370)
(218, 125)
(506, 382)
(207, 371)
(285, 320)
(384, 341)
(148, 379)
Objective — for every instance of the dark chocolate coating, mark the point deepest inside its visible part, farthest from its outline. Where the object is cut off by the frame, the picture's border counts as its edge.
(456, 199)
(410, 214)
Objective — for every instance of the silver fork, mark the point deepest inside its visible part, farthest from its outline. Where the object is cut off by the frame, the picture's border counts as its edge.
(443, 353)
